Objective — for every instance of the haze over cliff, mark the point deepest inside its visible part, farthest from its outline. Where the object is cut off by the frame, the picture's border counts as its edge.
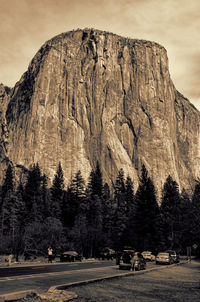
(90, 95)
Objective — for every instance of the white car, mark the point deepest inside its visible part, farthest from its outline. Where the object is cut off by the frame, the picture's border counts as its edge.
(164, 258)
(148, 256)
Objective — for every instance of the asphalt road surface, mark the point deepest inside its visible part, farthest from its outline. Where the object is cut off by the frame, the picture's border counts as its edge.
(42, 277)
(169, 283)
(50, 268)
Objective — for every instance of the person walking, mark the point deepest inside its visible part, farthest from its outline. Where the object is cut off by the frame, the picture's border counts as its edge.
(132, 263)
(50, 254)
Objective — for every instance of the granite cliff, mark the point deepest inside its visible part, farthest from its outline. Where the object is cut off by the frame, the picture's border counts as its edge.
(90, 95)
(4, 100)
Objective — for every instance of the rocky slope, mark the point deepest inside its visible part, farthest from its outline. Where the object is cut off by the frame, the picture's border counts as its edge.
(90, 95)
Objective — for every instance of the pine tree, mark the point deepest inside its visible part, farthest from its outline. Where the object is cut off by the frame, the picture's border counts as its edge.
(78, 185)
(57, 191)
(170, 210)
(129, 194)
(45, 200)
(69, 209)
(7, 201)
(107, 209)
(129, 209)
(94, 224)
(74, 200)
(9, 219)
(145, 217)
(187, 222)
(196, 212)
(8, 183)
(21, 207)
(79, 234)
(12, 233)
(120, 212)
(32, 194)
(13, 217)
(106, 191)
(95, 185)
(95, 210)
(119, 189)
(196, 195)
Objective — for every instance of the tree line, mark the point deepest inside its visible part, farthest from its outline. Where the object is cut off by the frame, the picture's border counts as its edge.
(87, 217)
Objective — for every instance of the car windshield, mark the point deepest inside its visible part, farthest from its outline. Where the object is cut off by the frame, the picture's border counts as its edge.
(163, 254)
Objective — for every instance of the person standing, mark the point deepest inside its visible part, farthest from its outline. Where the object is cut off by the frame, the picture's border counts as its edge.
(50, 254)
(118, 257)
(132, 263)
(10, 259)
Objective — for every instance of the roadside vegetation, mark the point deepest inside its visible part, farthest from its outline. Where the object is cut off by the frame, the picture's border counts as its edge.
(89, 217)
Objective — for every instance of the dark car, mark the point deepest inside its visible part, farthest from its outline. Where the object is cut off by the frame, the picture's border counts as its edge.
(127, 256)
(174, 256)
(108, 254)
(32, 254)
(70, 256)
(138, 262)
(125, 259)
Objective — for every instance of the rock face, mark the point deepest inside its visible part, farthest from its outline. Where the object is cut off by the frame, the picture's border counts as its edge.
(4, 99)
(90, 95)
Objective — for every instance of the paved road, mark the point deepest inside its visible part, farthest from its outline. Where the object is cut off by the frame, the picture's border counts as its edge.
(44, 276)
(49, 268)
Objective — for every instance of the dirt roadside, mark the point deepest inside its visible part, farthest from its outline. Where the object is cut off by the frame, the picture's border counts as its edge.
(179, 283)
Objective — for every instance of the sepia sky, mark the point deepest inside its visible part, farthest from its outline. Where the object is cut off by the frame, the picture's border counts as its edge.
(26, 24)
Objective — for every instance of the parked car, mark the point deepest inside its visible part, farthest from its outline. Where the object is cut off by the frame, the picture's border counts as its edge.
(118, 257)
(108, 254)
(138, 262)
(33, 254)
(164, 258)
(148, 256)
(174, 256)
(70, 256)
(125, 259)
(127, 256)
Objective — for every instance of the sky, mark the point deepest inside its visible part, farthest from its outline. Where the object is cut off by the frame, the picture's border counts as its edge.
(175, 24)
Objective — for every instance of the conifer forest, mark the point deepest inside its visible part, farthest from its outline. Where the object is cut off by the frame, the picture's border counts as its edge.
(88, 217)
